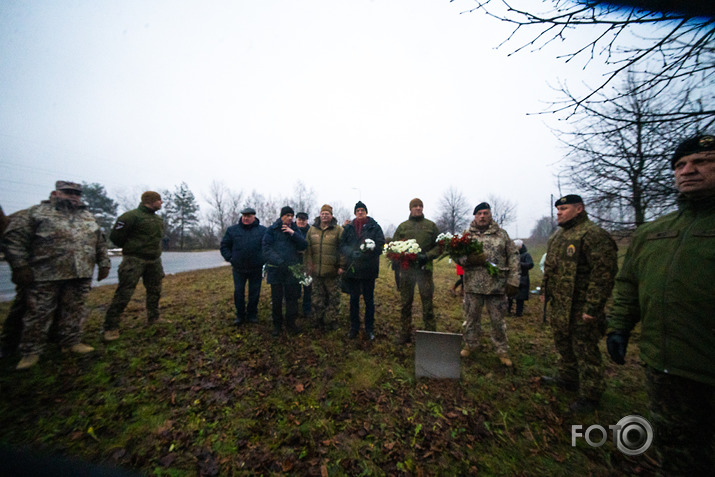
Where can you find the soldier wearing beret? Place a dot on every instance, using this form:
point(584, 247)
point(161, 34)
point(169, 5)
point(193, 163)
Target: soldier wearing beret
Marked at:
point(667, 283)
point(581, 264)
point(52, 250)
point(139, 233)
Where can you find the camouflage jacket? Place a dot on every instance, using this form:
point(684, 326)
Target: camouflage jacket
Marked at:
point(499, 250)
point(581, 264)
point(666, 282)
point(56, 241)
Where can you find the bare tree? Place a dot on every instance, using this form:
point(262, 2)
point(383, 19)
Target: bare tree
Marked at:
point(618, 158)
point(340, 212)
point(267, 208)
point(303, 199)
point(543, 229)
point(668, 49)
point(453, 215)
point(503, 210)
point(226, 207)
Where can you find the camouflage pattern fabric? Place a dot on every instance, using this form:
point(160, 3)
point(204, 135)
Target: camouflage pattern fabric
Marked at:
point(496, 306)
point(326, 300)
point(12, 326)
point(62, 299)
point(130, 271)
point(581, 361)
point(681, 412)
point(501, 251)
point(581, 264)
point(423, 279)
point(59, 242)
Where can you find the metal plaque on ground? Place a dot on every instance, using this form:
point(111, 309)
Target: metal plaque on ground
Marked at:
point(437, 354)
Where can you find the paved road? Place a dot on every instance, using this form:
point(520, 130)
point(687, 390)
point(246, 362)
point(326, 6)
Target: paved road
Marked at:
point(174, 262)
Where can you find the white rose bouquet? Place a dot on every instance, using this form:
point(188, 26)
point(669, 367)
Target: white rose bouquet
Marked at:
point(403, 252)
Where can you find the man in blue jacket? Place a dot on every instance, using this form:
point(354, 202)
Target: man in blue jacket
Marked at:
point(242, 246)
point(281, 246)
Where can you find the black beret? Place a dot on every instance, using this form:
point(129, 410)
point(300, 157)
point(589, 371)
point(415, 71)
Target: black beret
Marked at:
point(700, 143)
point(482, 206)
point(569, 199)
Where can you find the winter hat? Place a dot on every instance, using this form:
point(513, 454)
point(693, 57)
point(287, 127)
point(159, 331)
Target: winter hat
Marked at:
point(701, 143)
point(248, 211)
point(328, 208)
point(301, 215)
point(360, 205)
point(287, 210)
point(149, 197)
point(416, 202)
point(482, 206)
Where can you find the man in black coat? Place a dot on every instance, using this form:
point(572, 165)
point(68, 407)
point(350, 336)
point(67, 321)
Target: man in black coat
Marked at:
point(242, 246)
point(281, 246)
point(361, 245)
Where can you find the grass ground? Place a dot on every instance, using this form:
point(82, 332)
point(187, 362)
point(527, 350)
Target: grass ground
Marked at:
point(201, 397)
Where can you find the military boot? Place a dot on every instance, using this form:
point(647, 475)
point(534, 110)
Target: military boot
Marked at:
point(28, 361)
point(79, 348)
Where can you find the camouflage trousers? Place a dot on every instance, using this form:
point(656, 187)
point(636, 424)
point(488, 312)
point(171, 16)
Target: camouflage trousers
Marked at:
point(12, 327)
point(63, 300)
point(423, 279)
point(326, 299)
point(577, 344)
point(496, 308)
point(130, 271)
point(681, 412)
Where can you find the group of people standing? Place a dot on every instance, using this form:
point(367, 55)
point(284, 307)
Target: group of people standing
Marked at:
point(53, 248)
point(665, 283)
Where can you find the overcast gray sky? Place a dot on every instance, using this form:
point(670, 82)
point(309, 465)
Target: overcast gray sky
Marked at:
point(381, 100)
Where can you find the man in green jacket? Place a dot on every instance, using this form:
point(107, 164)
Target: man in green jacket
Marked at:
point(667, 282)
point(325, 265)
point(139, 233)
point(581, 264)
point(425, 232)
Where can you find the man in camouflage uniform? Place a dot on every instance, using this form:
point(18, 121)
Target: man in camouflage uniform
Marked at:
point(581, 263)
point(425, 232)
point(139, 233)
point(325, 265)
point(488, 289)
point(667, 283)
point(52, 250)
point(12, 327)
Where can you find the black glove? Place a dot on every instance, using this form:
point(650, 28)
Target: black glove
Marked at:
point(421, 259)
point(23, 276)
point(511, 290)
point(616, 343)
point(102, 273)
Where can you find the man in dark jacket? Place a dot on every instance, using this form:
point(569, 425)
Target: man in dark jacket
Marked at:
point(282, 243)
point(139, 233)
point(361, 245)
point(242, 247)
point(666, 283)
point(425, 232)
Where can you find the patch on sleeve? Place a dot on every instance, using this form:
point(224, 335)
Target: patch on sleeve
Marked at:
point(119, 225)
